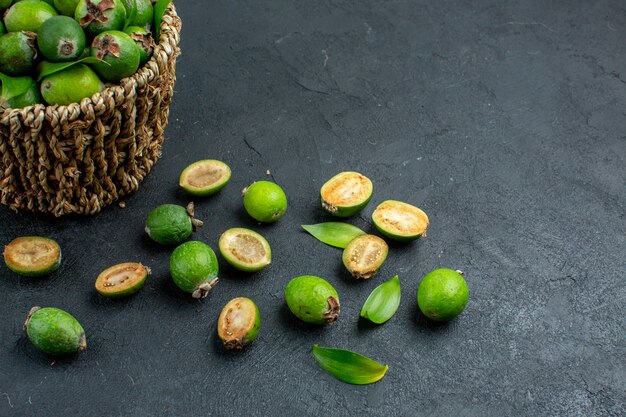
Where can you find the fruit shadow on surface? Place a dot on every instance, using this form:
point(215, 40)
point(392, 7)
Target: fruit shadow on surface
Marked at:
point(423, 322)
point(291, 323)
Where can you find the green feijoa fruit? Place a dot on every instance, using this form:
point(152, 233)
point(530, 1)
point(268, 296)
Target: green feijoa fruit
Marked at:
point(143, 41)
point(265, 201)
point(143, 15)
point(400, 221)
point(245, 249)
point(365, 255)
point(118, 54)
point(28, 15)
point(312, 299)
point(18, 52)
point(61, 39)
point(5, 4)
point(346, 193)
point(97, 16)
point(442, 295)
point(70, 85)
point(170, 224)
point(383, 302)
point(205, 177)
point(54, 331)
point(66, 7)
point(28, 96)
point(348, 366)
point(194, 268)
point(122, 280)
point(239, 323)
point(32, 256)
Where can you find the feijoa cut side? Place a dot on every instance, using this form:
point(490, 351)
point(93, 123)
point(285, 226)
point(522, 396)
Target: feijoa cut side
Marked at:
point(121, 280)
point(239, 323)
point(365, 255)
point(346, 193)
point(400, 221)
point(32, 256)
point(205, 177)
point(54, 331)
point(245, 249)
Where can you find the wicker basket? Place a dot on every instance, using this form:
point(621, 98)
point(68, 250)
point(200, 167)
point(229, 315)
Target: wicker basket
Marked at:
point(85, 156)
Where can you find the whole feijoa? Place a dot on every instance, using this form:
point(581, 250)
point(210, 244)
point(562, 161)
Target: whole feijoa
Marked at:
point(194, 268)
point(346, 193)
point(54, 331)
point(28, 15)
point(118, 54)
point(442, 295)
point(66, 7)
point(143, 41)
point(170, 224)
point(312, 299)
point(18, 53)
point(265, 201)
point(32, 256)
point(70, 85)
point(61, 39)
point(97, 16)
point(364, 255)
point(31, 97)
point(144, 14)
point(400, 221)
point(239, 323)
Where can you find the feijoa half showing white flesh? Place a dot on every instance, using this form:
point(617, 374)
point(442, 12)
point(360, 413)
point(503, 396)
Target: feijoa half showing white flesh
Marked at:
point(205, 177)
point(32, 256)
point(239, 323)
point(245, 249)
point(365, 255)
point(346, 193)
point(400, 221)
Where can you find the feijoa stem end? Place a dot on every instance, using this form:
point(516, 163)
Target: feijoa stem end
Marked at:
point(332, 314)
point(83, 343)
point(203, 289)
point(461, 273)
point(233, 344)
point(191, 210)
point(30, 314)
point(329, 207)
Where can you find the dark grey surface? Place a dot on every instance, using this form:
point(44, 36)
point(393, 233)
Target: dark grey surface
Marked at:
point(503, 120)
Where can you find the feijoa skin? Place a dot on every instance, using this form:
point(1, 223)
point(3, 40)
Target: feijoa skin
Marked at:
point(206, 177)
point(70, 85)
point(346, 193)
point(442, 295)
point(61, 39)
point(170, 224)
point(18, 53)
point(245, 249)
point(144, 42)
point(28, 15)
point(194, 268)
point(239, 323)
point(365, 255)
point(400, 221)
point(121, 280)
point(97, 16)
point(265, 201)
point(143, 16)
point(66, 7)
point(312, 299)
point(32, 256)
point(54, 331)
point(29, 98)
point(118, 54)
point(5, 4)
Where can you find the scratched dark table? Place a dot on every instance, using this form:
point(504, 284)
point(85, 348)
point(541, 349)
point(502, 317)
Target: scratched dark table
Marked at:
point(504, 120)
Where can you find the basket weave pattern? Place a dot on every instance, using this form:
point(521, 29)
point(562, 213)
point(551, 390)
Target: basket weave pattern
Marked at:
point(85, 156)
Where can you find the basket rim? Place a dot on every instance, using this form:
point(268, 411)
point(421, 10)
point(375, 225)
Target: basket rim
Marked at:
point(166, 31)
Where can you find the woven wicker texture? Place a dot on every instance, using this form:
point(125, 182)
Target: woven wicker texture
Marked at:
point(85, 156)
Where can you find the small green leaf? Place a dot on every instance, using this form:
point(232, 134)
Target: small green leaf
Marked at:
point(383, 302)
point(159, 11)
point(14, 86)
point(347, 366)
point(132, 15)
point(48, 68)
point(335, 234)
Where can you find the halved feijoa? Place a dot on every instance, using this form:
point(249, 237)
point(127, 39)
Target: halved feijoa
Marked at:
point(245, 249)
point(239, 323)
point(346, 193)
point(54, 331)
point(400, 221)
point(32, 256)
point(205, 177)
point(365, 255)
point(122, 280)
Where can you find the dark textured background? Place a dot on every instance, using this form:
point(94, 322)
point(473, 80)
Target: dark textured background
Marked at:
point(503, 120)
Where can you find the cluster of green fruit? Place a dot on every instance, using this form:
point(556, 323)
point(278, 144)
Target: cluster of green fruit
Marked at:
point(63, 50)
point(442, 293)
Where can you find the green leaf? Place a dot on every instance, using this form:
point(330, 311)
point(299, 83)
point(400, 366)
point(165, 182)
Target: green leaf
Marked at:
point(383, 302)
point(48, 68)
point(347, 366)
point(159, 11)
point(14, 86)
point(132, 15)
point(335, 234)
